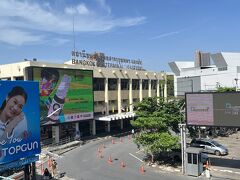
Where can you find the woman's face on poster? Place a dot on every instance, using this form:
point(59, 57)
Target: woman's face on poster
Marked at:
point(14, 106)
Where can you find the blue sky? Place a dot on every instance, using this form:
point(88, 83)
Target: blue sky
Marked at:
point(155, 31)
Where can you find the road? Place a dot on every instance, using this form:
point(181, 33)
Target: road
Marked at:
point(83, 163)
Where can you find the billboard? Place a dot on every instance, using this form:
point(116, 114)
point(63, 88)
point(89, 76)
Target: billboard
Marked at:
point(19, 120)
point(213, 109)
point(66, 95)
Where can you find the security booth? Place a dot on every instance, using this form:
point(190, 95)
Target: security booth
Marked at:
point(194, 162)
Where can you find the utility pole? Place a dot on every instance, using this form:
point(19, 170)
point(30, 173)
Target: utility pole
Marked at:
point(183, 146)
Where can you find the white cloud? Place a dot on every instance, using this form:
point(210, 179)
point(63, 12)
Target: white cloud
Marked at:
point(169, 34)
point(82, 9)
point(24, 17)
point(165, 35)
point(104, 6)
point(18, 37)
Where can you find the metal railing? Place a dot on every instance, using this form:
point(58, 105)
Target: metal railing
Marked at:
point(51, 143)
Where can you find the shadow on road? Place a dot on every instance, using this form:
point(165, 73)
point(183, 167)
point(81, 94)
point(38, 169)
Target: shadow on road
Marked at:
point(223, 162)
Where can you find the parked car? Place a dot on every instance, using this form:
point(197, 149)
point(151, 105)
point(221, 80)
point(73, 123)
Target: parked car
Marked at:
point(210, 146)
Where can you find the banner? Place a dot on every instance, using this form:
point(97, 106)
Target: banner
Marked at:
point(66, 95)
point(19, 120)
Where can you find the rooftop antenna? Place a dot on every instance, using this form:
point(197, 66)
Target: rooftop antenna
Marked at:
point(73, 36)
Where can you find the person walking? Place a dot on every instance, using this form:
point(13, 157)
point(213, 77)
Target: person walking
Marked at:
point(54, 168)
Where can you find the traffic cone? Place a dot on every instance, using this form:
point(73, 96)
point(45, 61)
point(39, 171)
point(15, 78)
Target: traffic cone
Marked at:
point(122, 164)
point(113, 141)
point(110, 159)
point(121, 140)
point(142, 170)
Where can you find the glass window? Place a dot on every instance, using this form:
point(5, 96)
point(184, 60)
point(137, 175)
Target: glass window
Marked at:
point(112, 84)
point(208, 144)
point(153, 84)
point(135, 84)
point(19, 78)
point(98, 84)
point(189, 158)
point(124, 84)
point(194, 158)
point(145, 84)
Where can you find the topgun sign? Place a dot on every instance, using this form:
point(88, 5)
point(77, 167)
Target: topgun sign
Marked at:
point(19, 120)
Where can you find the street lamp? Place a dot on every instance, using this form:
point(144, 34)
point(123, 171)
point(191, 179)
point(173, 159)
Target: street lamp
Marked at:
point(236, 79)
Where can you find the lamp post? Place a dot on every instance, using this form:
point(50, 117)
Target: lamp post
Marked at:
point(236, 86)
point(191, 85)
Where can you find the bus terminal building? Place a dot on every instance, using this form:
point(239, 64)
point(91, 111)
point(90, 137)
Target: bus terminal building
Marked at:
point(90, 94)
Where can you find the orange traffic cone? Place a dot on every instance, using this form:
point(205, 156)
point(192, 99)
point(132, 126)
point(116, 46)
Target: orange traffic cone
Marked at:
point(122, 164)
point(110, 159)
point(142, 170)
point(113, 141)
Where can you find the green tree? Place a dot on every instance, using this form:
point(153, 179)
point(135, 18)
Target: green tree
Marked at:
point(156, 121)
point(226, 89)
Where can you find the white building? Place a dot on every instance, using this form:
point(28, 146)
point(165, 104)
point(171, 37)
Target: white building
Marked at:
point(115, 90)
point(206, 73)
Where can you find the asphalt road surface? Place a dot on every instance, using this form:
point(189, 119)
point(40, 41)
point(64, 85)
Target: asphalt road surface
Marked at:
point(86, 163)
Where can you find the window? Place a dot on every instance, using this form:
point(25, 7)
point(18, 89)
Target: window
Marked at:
point(124, 84)
point(98, 84)
point(153, 84)
point(208, 144)
point(194, 158)
point(135, 84)
point(189, 158)
point(112, 84)
point(145, 84)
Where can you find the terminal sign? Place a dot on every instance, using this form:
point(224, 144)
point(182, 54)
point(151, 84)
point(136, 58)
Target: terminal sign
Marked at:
point(100, 60)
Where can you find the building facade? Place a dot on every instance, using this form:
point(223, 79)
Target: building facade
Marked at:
point(114, 92)
point(206, 73)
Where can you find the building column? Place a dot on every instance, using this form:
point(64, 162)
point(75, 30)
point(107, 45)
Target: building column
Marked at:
point(77, 127)
point(162, 90)
point(165, 86)
point(108, 126)
point(149, 88)
point(175, 86)
point(93, 127)
point(130, 96)
point(140, 90)
point(106, 97)
point(158, 91)
point(55, 133)
point(119, 96)
point(121, 124)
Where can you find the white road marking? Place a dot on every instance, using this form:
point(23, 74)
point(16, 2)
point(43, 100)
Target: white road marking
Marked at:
point(136, 157)
point(139, 151)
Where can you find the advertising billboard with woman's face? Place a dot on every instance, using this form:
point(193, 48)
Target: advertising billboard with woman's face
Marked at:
point(19, 120)
point(66, 95)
